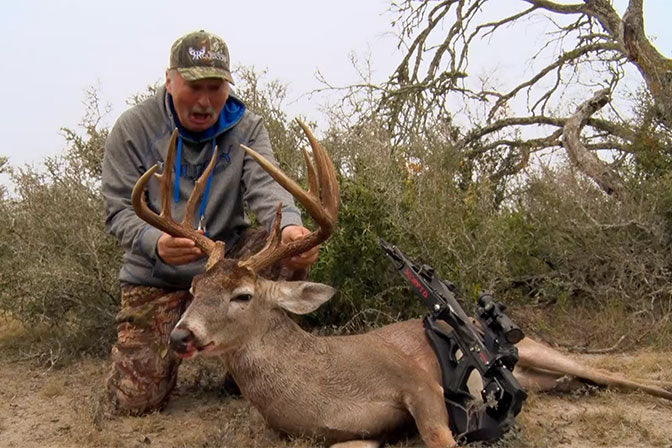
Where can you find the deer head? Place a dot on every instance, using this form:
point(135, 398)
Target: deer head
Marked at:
point(230, 300)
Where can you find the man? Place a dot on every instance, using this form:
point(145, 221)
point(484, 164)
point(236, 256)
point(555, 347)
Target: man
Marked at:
point(157, 268)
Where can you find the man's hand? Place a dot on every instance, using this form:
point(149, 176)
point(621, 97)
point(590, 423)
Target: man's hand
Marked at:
point(177, 251)
point(304, 260)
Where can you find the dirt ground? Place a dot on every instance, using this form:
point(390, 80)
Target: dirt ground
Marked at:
point(43, 407)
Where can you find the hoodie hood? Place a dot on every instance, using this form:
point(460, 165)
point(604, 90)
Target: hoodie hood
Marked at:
point(231, 114)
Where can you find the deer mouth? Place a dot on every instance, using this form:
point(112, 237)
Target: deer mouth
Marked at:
point(191, 349)
point(207, 347)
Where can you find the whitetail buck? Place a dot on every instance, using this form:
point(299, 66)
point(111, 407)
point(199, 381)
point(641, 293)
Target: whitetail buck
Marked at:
point(349, 391)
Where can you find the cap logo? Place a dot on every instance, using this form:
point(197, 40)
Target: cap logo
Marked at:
point(198, 54)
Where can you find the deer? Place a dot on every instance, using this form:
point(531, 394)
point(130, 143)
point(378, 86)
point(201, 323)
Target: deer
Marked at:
point(352, 391)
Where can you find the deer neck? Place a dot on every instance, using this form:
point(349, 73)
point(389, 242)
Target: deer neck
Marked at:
point(266, 364)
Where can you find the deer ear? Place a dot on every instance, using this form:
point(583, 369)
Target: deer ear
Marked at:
point(303, 297)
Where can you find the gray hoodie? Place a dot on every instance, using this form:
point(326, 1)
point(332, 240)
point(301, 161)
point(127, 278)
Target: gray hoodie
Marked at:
point(140, 138)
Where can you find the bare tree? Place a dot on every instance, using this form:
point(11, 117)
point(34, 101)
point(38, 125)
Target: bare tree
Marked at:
point(589, 44)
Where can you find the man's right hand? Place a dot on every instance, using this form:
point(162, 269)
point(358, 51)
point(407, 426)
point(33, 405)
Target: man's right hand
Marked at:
point(177, 251)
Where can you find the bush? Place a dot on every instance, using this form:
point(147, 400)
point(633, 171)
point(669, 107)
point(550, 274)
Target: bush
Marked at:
point(554, 238)
point(550, 238)
point(574, 244)
point(353, 262)
point(59, 268)
point(415, 200)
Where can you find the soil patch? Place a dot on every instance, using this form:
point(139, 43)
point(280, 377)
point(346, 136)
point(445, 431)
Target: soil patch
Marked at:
point(65, 407)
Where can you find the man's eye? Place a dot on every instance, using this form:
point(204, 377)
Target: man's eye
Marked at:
point(243, 297)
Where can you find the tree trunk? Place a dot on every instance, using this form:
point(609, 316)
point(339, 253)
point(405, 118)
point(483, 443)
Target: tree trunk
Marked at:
point(584, 160)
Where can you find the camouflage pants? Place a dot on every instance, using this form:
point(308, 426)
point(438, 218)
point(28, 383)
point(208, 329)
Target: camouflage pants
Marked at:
point(144, 368)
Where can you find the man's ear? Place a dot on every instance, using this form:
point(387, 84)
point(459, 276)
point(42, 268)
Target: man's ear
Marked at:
point(302, 297)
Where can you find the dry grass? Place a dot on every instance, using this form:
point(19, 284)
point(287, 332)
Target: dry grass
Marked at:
point(13, 335)
point(53, 387)
point(41, 406)
point(581, 328)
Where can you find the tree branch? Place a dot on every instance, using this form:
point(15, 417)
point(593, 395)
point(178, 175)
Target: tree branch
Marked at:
point(557, 7)
point(584, 160)
point(610, 128)
point(655, 68)
point(558, 63)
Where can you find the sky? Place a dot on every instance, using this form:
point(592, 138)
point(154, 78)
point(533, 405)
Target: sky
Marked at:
point(53, 50)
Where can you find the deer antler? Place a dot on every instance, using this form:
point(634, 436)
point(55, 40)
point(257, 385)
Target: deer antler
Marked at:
point(323, 211)
point(164, 221)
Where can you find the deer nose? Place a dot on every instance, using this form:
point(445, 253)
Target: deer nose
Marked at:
point(180, 338)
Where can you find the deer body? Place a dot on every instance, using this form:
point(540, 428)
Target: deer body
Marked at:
point(336, 388)
point(343, 388)
point(325, 387)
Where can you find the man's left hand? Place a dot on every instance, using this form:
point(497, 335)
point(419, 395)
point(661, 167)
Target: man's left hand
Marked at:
point(300, 261)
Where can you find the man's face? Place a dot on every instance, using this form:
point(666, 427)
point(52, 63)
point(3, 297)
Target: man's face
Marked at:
point(197, 103)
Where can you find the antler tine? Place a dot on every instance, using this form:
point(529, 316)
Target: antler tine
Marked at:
point(199, 186)
point(274, 238)
point(313, 186)
point(166, 176)
point(326, 173)
point(164, 222)
point(321, 202)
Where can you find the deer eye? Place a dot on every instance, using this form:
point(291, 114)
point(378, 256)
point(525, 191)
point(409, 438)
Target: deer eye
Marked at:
point(243, 297)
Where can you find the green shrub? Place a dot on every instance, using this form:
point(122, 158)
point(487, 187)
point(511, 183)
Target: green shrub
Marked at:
point(352, 260)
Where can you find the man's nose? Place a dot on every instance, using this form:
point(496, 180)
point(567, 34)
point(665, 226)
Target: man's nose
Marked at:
point(203, 100)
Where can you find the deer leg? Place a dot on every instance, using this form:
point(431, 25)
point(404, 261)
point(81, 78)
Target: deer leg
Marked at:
point(357, 444)
point(544, 381)
point(426, 405)
point(537, 356)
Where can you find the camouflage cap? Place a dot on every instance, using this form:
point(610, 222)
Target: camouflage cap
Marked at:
point(199, 55)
